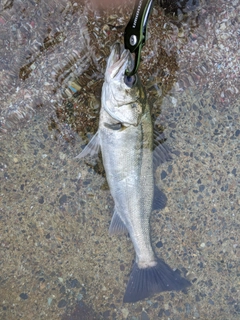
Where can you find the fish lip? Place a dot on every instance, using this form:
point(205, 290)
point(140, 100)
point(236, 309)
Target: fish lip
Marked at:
point(118, 61)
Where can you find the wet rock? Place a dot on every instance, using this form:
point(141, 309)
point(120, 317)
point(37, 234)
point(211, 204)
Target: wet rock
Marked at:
point(62, 290)
point(122, 267)
point(187, 308)
point(106, 314)
point(163, 174)
point(63, 199)
point(161, 313)
point(41, 200)
point(237, 308)
point(167, 312)
point(23, 296)
point(159, 244)
point(179, 7)
point(62, 303)
point(72, 283)
point(197, 298)
point(144, 316)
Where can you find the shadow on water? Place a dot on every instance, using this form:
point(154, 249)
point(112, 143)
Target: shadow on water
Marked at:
point(55, 215)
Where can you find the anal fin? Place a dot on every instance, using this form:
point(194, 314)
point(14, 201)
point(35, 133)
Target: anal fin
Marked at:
point(117, 227)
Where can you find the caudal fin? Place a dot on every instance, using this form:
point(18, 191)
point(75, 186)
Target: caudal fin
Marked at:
point(147, 281)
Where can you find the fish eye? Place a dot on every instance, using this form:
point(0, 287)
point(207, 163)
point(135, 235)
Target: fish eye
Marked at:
point(130, 80)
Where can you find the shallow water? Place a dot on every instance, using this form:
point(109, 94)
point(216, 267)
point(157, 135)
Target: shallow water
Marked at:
point(57, 259)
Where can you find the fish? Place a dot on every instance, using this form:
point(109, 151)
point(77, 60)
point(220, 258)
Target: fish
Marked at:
point(125, 138)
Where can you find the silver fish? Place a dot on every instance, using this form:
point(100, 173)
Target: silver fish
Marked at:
point(125, 137)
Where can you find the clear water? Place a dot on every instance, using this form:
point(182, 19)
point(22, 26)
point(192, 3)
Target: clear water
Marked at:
point(57, 259)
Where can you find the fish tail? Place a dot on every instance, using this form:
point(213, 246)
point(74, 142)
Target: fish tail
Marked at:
point(144, 282)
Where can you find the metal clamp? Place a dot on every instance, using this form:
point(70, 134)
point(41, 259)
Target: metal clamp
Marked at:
point(135, 31)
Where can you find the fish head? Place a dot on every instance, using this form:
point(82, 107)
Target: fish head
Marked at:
point(123, 97)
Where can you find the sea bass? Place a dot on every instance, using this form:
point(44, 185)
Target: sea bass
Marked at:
point(125, 138)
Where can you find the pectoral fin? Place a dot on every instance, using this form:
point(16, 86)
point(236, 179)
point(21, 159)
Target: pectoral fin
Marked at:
point(91, 149)
point(117, 226)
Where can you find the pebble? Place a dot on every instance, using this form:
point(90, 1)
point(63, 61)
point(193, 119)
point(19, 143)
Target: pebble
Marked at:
point(41, 200)
point(106, 314)
point(62, 155)
point(49, 301)
point(163, 174)
point(174, 101)
point(197, 298)
point(62, 303)
point(161, 312)
point(63, 199)
point(122, 267)
point(62, 290)
point(196, 314)
point(223, 26)
point(159, 244)
point(125, 313)
point(187, 308)
point(23, 296)
point(144, 316)
point(79, 297)
point(167, 312)
point(72, 283)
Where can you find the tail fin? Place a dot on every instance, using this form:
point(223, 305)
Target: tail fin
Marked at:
point(147, 281)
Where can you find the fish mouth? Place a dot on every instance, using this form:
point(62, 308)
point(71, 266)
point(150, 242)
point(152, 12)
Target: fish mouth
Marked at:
point(119, 60)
